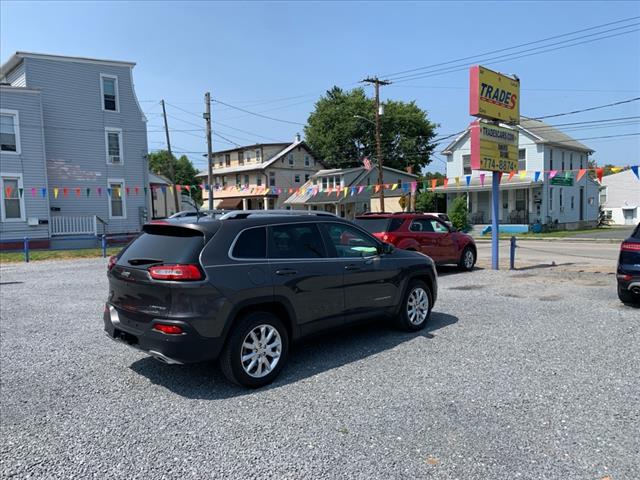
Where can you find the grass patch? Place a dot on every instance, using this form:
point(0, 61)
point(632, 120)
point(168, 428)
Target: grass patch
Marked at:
point(542, 235)
point(36, 255)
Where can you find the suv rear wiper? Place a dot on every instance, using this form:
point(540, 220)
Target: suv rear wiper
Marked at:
point(143, 261)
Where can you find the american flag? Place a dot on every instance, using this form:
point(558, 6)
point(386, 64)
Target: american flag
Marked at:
point(367, 163)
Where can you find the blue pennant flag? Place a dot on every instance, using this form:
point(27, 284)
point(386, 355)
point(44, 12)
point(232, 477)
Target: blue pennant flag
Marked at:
point(536, 176)
point(634, 169)
point(109, 191)
point(468, 179)
point(43, 192)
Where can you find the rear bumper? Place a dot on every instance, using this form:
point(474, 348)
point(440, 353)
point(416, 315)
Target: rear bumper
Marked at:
point(188, 347)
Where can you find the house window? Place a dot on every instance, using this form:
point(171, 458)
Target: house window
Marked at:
point(113, 137)
point(307, 161)
point(297, 179)
point(603, 195)
point(258, 155)
point(582, 161)
point(259, 180)
point(227, 159)
point(240, 157)
point(246, 179)
point(247, 156)
point(571, 161)
point(224, 180)
point(291, 159)
point(550, 159)
point(12, 201)
point(272, 179)
point(522, 159)
point(220, 161)
point(237, 180)
point(109, 86)
point(325, 183)
point(561, 203)
point(572, 202)
point(551, 199)
point(399, 183)
point(117, 206)
point(562, 162)
point(9, 131)
point(306, 177)
point(466, 164)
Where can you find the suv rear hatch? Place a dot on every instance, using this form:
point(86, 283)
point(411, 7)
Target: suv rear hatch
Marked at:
point(379, 226)
point(138, 285)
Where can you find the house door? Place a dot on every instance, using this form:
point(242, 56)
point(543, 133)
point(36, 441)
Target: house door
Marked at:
point(581, 203)
point(629, 216)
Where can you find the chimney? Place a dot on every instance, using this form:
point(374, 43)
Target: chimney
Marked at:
point(297, 138)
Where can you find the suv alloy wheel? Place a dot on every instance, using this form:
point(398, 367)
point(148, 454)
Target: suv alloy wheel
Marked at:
point(416, 307)
point(256, 350)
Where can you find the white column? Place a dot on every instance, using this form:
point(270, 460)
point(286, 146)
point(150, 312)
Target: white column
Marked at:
point(338, 209)
point(266, 203)
point(244, 204)
point(309, 207)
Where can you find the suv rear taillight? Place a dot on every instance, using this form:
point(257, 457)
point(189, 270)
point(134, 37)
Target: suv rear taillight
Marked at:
point(388, 238)
point(175, 272)
point(112, 262)
point(630, 247)
point(168, 329)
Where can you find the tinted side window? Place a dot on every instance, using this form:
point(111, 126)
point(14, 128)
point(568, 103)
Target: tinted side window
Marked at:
point(251, 243)
point(349, 242)
point(439, 227)
point(297, 240)
point(636, 233)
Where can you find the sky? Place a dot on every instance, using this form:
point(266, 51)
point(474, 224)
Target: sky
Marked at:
point(278, 58)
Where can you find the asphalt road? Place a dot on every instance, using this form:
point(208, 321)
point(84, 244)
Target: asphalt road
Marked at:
point(558, 254)
point(530, 375)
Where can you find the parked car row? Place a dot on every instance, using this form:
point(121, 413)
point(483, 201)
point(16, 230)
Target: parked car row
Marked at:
point(243, 286)
point(628, 271)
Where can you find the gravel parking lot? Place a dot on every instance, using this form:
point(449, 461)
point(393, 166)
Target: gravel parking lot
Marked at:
point(531, 374)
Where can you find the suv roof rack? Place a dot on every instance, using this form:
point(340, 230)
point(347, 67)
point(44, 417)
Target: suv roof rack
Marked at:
point(240, 214)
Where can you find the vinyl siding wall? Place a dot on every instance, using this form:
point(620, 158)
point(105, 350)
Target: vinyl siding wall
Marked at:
point(74, 130)
point(17, 76)
point(30, 163)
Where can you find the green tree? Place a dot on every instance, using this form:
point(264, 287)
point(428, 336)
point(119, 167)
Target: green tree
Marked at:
point(458, 213)
point(342, 132)
point(185, 173)
point(427, 202)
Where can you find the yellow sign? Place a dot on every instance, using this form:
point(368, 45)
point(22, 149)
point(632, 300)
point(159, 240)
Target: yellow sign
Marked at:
point(493, 148)
point(494, 96)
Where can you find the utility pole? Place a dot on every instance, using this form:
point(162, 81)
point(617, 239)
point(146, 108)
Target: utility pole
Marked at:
point(172, 170)
point(207, 118)
point(377, 82)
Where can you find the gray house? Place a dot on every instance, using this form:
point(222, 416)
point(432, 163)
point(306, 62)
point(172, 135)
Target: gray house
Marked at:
point(74, 145)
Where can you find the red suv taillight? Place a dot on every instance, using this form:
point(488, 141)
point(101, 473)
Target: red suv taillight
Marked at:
point(112, 262)
point(388, 237)
point(168, 329)
point(630, 247)
point(175, 272)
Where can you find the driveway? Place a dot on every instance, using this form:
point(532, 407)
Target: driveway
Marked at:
point(530, 375)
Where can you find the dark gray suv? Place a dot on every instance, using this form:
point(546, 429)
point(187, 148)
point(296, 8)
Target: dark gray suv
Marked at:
point(243, 287)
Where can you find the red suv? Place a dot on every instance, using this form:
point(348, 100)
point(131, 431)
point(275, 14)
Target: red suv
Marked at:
point(424, 233)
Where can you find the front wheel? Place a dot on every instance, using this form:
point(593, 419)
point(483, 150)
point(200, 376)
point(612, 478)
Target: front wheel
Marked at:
point(256, 350)
point(467, 259)
point(416, 307)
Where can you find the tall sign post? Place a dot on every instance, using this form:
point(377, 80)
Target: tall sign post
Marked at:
point(495, 99)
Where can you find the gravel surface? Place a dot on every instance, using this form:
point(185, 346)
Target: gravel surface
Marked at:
point(531, 375)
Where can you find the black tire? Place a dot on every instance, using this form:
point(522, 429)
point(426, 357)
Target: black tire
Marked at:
point(230, 358)
point(467, 259)
point(403, 320)
point(628, 297)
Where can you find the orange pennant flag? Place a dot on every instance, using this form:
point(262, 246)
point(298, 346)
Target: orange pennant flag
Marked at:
point(599, 174)
point(446, 182)
point(511, 174)
point(581, 173)
point(377, 188)
point(434, 182)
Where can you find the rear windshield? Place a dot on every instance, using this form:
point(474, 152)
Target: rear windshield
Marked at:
point(163, 245)
point(379, 225)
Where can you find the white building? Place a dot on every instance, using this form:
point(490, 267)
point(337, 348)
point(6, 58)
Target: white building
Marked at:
point(563, 200)
point(620, 198)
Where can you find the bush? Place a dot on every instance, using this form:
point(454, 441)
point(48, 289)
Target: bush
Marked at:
point(426, 202)
point(458, 213)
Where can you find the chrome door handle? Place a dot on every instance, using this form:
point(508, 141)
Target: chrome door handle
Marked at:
point(286, 272)
point(352, 267)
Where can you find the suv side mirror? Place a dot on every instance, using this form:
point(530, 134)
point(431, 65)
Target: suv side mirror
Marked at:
point(386, 249)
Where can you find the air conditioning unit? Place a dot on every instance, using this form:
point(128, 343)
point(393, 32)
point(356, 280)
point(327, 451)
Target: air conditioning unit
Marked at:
point(115, 159)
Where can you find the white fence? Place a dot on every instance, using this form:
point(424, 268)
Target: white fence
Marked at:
point(87, 225)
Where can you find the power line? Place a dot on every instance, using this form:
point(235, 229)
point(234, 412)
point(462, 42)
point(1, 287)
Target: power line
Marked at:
point(621, 102)
point(257, 114)
point(391, 75)
point(507, 57)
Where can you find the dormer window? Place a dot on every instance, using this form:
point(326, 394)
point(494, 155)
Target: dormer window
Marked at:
point(109, 88)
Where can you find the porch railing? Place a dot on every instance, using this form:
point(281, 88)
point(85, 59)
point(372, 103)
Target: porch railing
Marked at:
point(85, 225)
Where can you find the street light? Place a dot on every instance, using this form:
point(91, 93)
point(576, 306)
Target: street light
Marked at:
point(365, 119)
